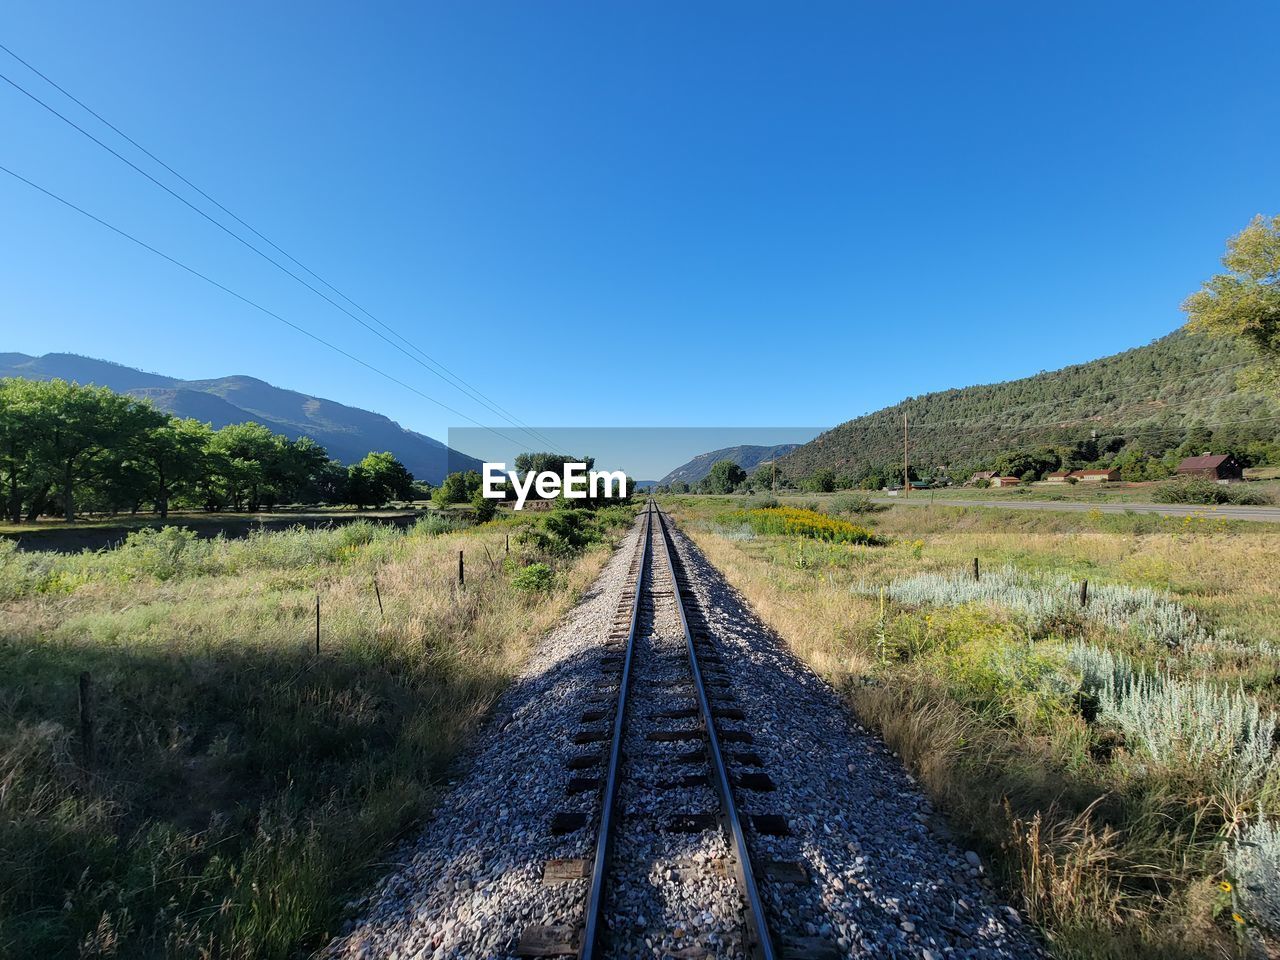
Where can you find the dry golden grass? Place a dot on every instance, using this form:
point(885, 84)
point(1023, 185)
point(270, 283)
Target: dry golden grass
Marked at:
point(1109, 859)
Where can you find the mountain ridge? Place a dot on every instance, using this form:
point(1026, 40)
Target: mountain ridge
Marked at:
point(346, 432)
point(747, 456)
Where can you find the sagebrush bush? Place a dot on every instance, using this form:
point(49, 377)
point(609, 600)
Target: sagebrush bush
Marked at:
point(733, 531)
point(1045, 600)
point(1099, 667)
point(1194, 722)
point(1253, 861)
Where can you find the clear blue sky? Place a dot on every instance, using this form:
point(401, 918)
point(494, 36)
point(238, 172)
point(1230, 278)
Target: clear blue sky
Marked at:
point(799, 212)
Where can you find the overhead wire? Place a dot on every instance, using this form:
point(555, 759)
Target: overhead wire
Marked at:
point(251, 302)
point(419, 356)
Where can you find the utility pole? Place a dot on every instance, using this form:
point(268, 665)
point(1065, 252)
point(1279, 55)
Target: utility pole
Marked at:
point(906, 473)
point(775, 474)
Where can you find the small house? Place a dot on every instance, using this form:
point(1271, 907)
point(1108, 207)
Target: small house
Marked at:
point(1005, 481)
point(1223, 468)
point(1058, 476)
point(1097, 476)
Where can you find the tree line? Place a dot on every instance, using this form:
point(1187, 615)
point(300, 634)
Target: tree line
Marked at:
point(1147, 455)
point(72, 449)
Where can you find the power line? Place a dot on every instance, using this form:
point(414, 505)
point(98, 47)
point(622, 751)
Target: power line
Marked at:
point(253, 303)
point(442, 373)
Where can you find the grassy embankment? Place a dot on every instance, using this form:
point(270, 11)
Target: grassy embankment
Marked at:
point(243, 788)
point(1105, 757)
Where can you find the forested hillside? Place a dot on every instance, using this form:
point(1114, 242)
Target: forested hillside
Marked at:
point(1128, 410)
point(346, 433)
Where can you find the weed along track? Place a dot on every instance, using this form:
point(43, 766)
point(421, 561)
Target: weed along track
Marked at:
point(667, 780)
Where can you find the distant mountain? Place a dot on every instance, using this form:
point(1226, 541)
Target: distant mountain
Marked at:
point(1146, 398)
point(348, 433)
point(747, 457)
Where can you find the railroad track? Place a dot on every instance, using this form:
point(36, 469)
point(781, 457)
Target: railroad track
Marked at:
point(660, 742)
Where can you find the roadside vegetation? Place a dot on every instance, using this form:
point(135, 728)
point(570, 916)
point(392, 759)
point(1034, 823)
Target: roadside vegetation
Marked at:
point(1115, 759)
point(239, 786)
point(1199, 490)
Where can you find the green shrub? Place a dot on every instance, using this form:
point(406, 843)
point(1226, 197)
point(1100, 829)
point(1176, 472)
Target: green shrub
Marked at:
point(562, 532)
point(855, 503)
point(535, 578)
point(19, 573)
point(485, 507)
point(162, 554)
point(761, 501)
point(434, 524)
point(1205, 491)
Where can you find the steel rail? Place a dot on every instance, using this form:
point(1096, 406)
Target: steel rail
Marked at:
point(593, 919)
point(743, 872)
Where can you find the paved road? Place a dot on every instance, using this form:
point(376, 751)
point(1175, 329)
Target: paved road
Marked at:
point(1264, 514)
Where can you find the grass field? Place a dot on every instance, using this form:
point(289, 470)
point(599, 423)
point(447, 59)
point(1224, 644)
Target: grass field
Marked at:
point(96, 532)
point(1113, 759)
point(242, 787)
point(1119, 492)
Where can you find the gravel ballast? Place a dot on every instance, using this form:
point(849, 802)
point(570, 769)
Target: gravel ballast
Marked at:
point(880, 881)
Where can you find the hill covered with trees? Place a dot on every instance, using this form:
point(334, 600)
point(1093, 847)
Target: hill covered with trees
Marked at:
point(1136, 410)
point(346, 433)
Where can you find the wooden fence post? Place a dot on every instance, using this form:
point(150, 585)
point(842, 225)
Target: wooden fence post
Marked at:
point(378, 593)
point(317, 624)
point(975, 568)
point(1084, 593)
point(87, 745)
point(462, 574)
point(508, 549)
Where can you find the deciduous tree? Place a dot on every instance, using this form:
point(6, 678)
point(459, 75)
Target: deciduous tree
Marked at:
point(1244, 303)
